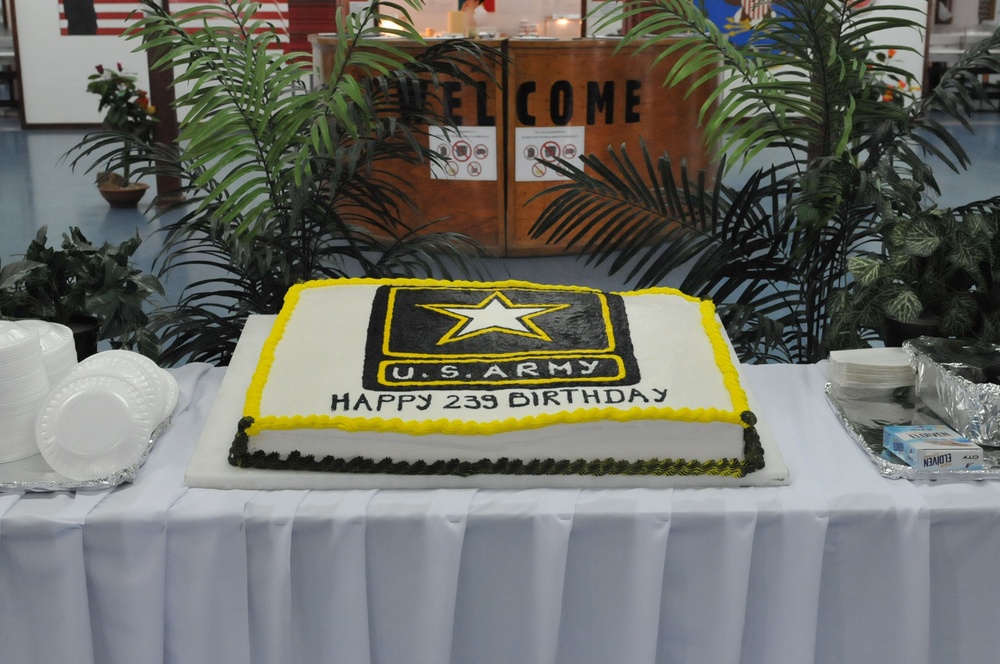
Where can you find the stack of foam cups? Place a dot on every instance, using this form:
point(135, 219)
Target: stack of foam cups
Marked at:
point(22, 391)
point(58, 348)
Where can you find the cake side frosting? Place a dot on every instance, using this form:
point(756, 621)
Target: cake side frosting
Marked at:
point(705, 418)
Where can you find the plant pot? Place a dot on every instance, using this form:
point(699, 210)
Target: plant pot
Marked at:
point(127, 196)
point(895, 332)
point(85, 334)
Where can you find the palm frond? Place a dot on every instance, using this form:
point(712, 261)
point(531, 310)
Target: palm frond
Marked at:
point(814, 83)
point(284, 182)
point(636, 215)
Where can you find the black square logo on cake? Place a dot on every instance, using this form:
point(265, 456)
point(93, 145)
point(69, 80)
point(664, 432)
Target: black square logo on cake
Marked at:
point(496, 337)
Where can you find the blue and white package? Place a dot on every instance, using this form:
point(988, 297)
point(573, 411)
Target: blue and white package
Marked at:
point(933, 447)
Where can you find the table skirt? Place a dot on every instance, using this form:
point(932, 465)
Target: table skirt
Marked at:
point(840, 566)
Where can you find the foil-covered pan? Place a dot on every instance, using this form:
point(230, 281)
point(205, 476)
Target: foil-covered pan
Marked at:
point(865, 415)
point(34, 475)
point(953, 379)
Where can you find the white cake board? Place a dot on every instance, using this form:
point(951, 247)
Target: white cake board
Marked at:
point(209, 467)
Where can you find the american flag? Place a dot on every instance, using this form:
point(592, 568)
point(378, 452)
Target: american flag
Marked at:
point(110, 17)
point(92, 17)
point(274, 13)
point(756, 10)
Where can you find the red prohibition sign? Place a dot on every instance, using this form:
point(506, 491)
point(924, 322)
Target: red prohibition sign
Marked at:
point(550, 151)
point(462, 151)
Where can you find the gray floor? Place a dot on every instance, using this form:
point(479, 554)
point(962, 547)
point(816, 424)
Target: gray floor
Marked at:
point(38, 188)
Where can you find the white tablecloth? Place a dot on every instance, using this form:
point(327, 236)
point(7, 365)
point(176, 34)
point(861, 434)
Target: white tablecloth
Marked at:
point(841, 566)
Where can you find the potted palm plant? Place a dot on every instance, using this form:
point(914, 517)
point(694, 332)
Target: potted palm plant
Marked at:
point(95, 290)
point(128, 126)
point(844, 136)
point(284, 181)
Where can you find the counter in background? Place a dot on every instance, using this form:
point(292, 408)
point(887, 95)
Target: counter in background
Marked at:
point(559, 98)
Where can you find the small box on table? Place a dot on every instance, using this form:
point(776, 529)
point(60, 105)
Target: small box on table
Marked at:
point(933, 446)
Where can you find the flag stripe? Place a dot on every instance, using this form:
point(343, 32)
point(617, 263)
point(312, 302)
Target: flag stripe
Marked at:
point(756, 10)
point(275, 13)
point(307, 17)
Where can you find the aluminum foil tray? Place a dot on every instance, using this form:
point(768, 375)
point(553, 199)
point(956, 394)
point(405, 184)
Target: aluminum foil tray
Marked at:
point(33, 474)
point(953, 379)
point(865, 414)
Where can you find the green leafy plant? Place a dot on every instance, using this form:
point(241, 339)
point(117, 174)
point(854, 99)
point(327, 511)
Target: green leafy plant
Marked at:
point(285, 181)
point(83, 279)
point(940, 265)
point(128, 120)
point(847, 141)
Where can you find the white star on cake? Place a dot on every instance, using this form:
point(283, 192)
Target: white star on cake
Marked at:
point(496, 313)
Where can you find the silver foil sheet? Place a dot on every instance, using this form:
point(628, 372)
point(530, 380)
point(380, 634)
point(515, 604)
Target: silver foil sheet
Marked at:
point(952, 379)
point(33, 474)
point(865, 415)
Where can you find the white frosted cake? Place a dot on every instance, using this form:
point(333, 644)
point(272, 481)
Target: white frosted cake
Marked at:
point(465, 378)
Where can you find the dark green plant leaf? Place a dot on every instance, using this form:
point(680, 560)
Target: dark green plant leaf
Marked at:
point(904, 306)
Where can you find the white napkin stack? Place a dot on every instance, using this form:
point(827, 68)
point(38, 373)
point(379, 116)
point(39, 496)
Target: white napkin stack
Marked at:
point(871, 367)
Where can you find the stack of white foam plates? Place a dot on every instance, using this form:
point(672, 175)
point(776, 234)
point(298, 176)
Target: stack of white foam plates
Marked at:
point(857, 371)
point(101, 418)
point(158, 385)
point(58, 349)
point(22, 390)
point(94, 425)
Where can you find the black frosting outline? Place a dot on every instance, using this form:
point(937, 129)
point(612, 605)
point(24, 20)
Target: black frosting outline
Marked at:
point(619, 325)
point(753, 452)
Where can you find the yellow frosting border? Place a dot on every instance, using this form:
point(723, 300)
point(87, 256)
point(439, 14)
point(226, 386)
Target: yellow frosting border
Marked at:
point(710, 324)
point(383, 366)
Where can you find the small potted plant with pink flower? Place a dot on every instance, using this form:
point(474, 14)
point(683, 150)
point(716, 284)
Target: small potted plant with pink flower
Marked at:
point(126, 135)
